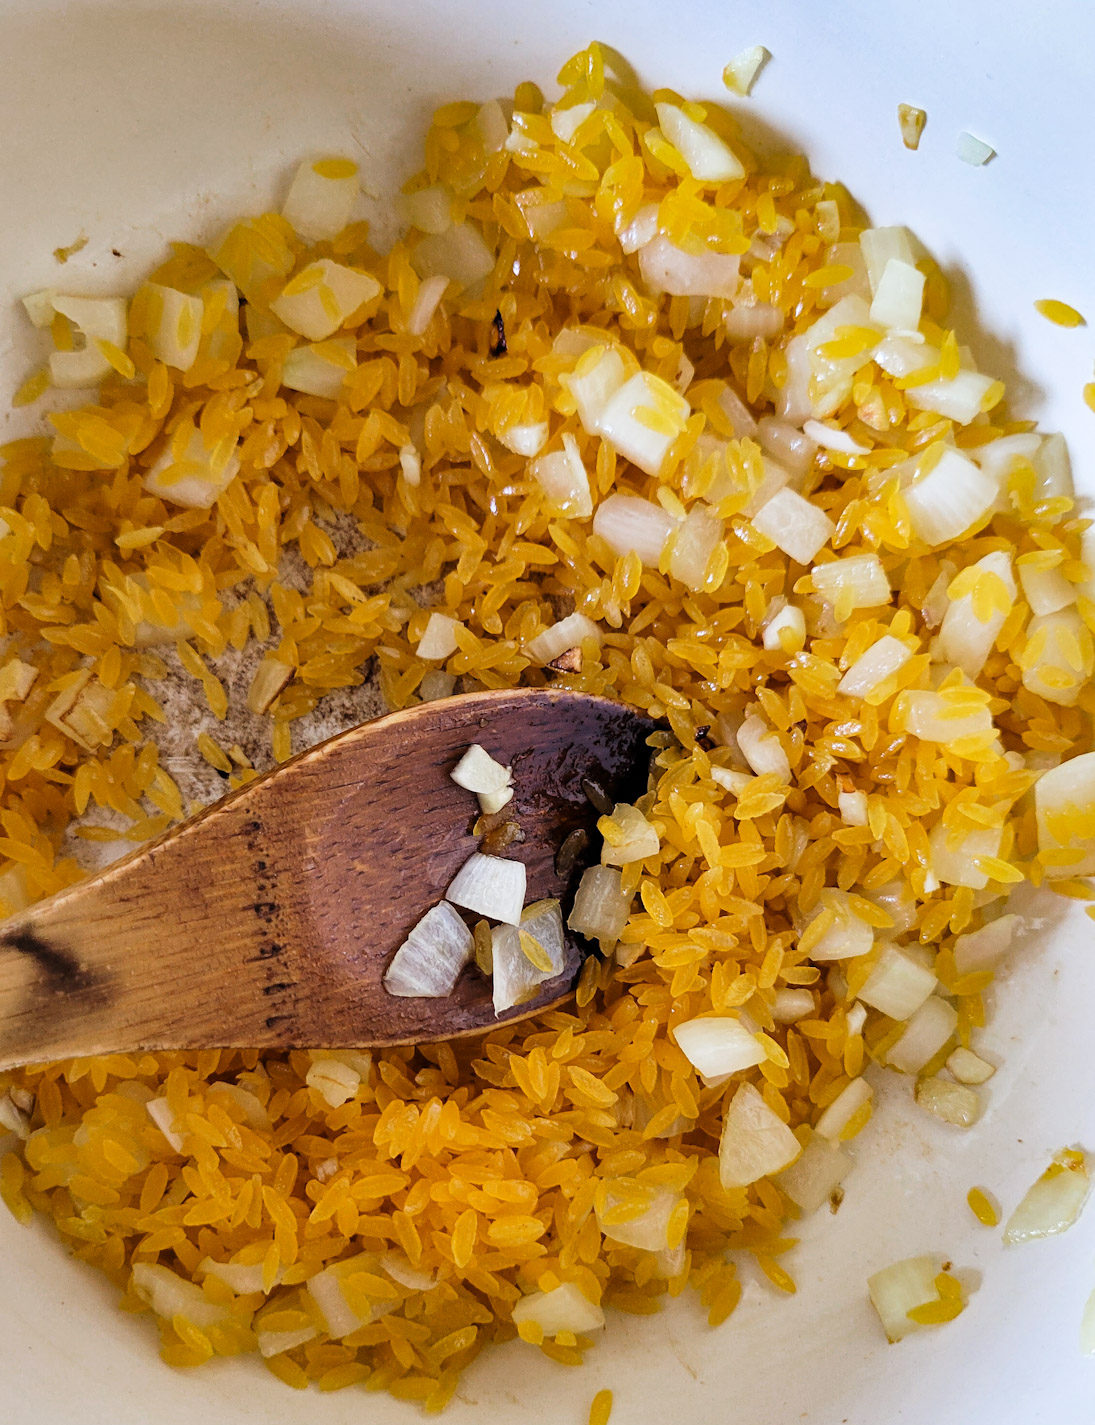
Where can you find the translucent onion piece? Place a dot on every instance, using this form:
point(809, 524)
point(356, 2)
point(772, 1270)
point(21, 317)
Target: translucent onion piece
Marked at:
point(911, 121)
point(321, 197)
point(794, 449)
point(238, 1277)
point(1064, 803)
point(1055, 1201)
point(718, 1045)
point(973, 151)
point(901, 353)
point(275, 1343)
point(460, 253)
point(884, 658)
point(1058, 660)
point(744, 322)
point(527, 439)
point(708, 159)
point(952, 497)
point(1000, 457)
point(628, 836)
point(564, 1308)
point(785, 630)
point(1053, 467)
point(429, 961)
point(925, 1035)
point(13, 1118)
point(665, 267)
point(477, 771)
point(789, 1005)
point(847, 934)
point(641, 229)
point(322, 297)
point(953, 1103)
point(762, 748)
point(755, 1142)
point(642, 419)
point(629, 524)
point(320, 368)
point(847, 1104)
point(439, 637)
point(562, 476)
point(1045, 590)
point(852, 807)
point(198, 478)
point(567, 120)
point(95, 319)
point(956, 855)
point(692, 543)
point(831, 375)
point(594, 381)
point(337, 1083)
point(940, 717)
point(794, 525)
point(400, 1270)
point(426, 303)
point(881, 246)
point(898, 296)
point(969, 1068)
point(832, 438)
point(810, 1181)
point(649, 1230)
point(959, 400)
point(857, 581)
point(163, 1116)
point(741, 72)
point(172, 324)
point(569, 632)
point(429, 209)
point(490, 886)
point(515, 978)
point(965, 638)
point(325, 1289)
point(901, 1288)
point(601, 906)
point(493, 126)
point(897, 986)
point(436, 683)
point(169, 1295)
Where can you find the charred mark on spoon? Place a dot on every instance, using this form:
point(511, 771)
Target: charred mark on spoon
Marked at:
point(60, 967)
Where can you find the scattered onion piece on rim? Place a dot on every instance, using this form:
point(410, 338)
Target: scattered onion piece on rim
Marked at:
point(1054, 1202)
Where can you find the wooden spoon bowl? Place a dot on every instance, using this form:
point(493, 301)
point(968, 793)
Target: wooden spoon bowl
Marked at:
point(268, 920)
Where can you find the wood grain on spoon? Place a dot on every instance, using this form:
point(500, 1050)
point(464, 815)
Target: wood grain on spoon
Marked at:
point(268, 920)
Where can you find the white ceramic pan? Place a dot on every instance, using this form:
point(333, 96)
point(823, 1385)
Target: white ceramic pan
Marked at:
point(134, 121)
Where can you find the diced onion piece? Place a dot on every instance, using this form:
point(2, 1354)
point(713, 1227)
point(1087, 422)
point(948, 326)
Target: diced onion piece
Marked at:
point(493, 124)
point(628, 836)
point(829, 377)
point(832, 438)
point(1045, 590)
point(852, 807)
point(1053, 467)
point(708, 158)
point(491, 802)
point(439, 637)
point(39, 307)
point(902, 353)
point(601, 906)
point(96, 319)
point(956, 855)
point(729, 780)
point(477, 771)
point(460, 253)
point(785, 630)
point(199, 477)
point(969, 1068)
point(898, 296)
point(846, 1106)
point(564, 1308)
point(569, 632)
point(953, 1103)
point(426, 303)
point(954, 495)
point(737, 413)
point(410, 464)
point(640, 229)
point(562, 476)
point(959, 400)
point(881, 246)
point(323, 297)
point(163, 1116)
point(935, 717)
point(321, 197)
point(490, 886)
point(239, 1277)
point(762, 749)
point(336, 1082)
point(275, 1343)
point(811, 1180)
point(911, 121)
point(13, 1118)
point(692, 543)
point(429, 209)
point(525, 439)
point(1053, 1204)
point(665, 267)
point(855, 582)
point(566, 120)
point(642, 419)
point(789, 1005)
point(515, 978)
point(925, 1035)
point(901, 1288)
point(755, 1142)
point(1064, 805)
point(966, 637)
point(886, 656)
point(599, 373)
point(847, 934)
point(649, 1230)
point(1058, 659)
point(172, 324)
point(436, 683)
point(326, 1290)
point(429, 961)
point(739, 74)
point(794, 449)
point(629, 524)
point(400, 1270)
point(16, 680)
point(170, 1295)
point(1000, 457)
point(746, 321)
point(718, 1045)
point(271, 676)
point(897, 985)
point(320, 368)
point(973, 151)
point(794, 525)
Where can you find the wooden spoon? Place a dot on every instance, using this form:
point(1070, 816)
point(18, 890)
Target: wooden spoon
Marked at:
point(267, 921)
